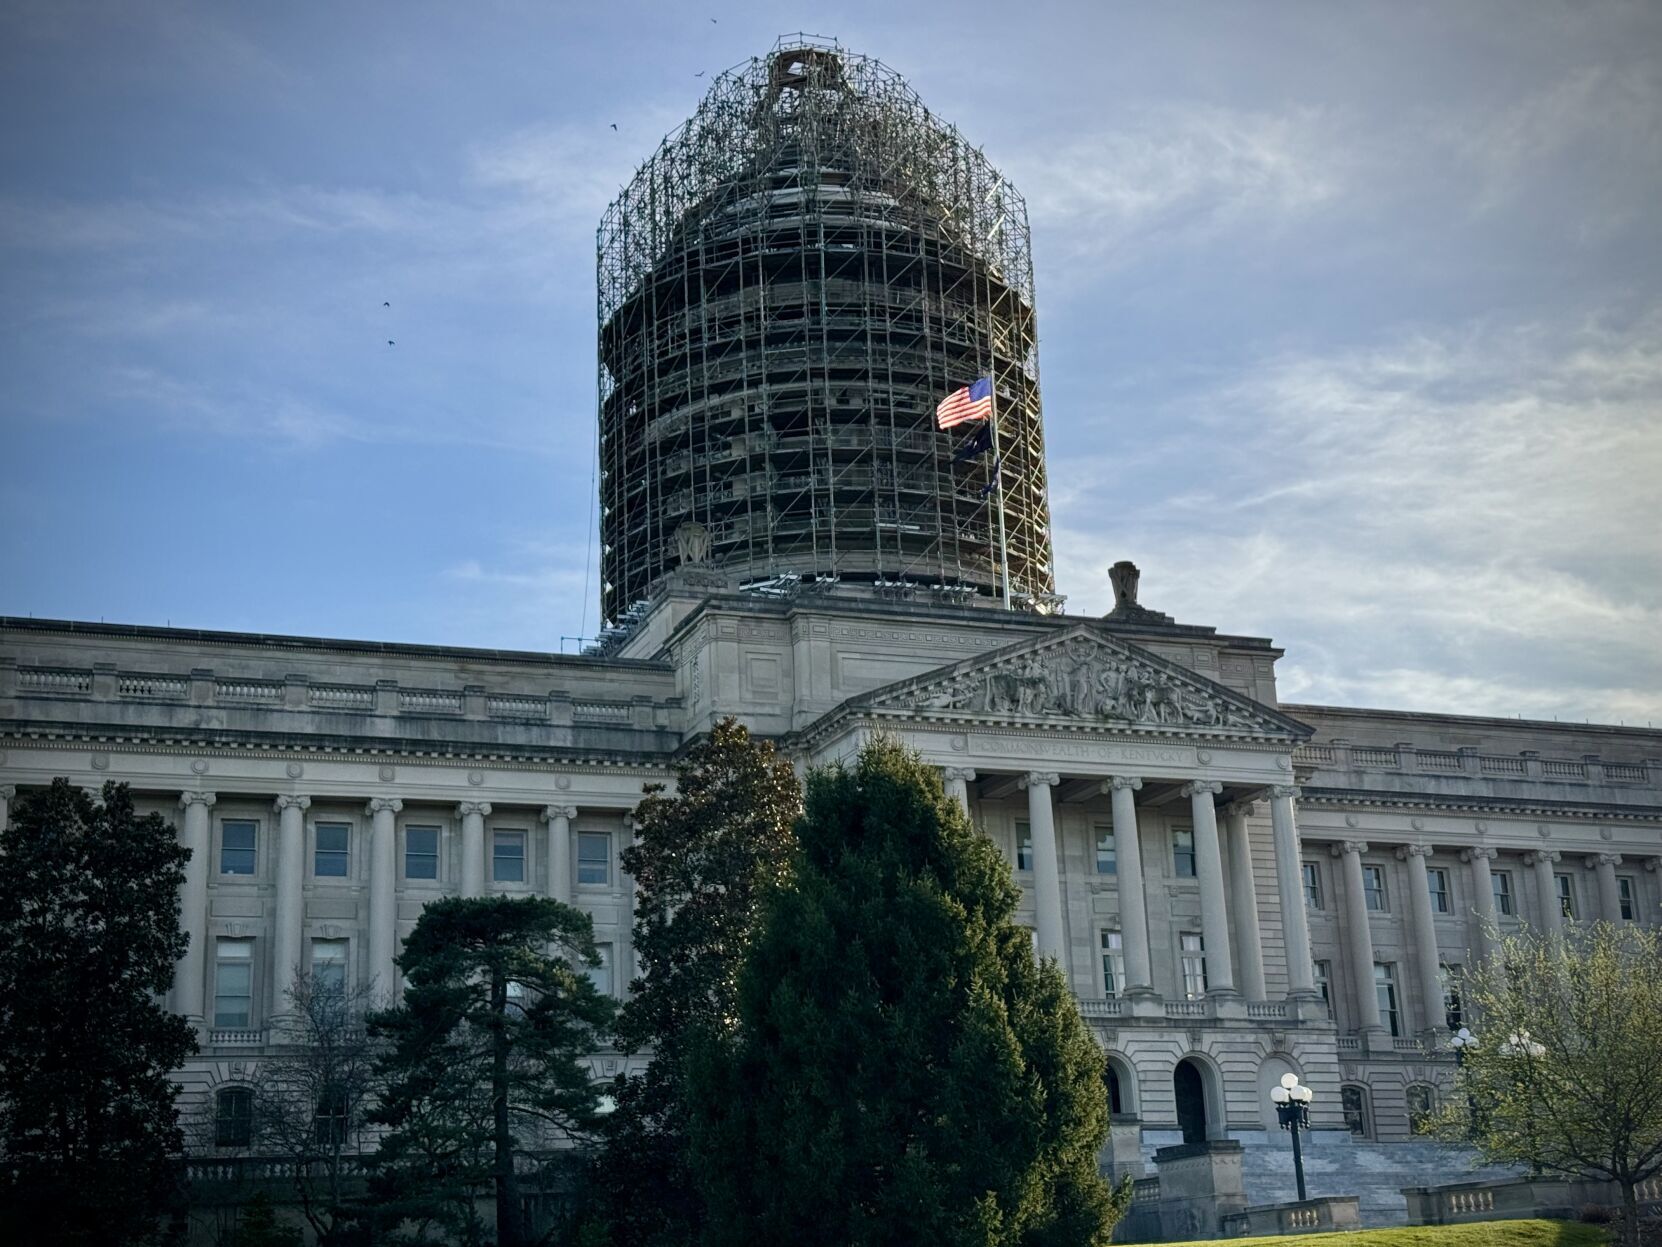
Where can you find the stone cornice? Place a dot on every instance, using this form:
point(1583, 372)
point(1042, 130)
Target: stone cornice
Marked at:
point(313, 749)
point(1338, 798)
point(196, 639)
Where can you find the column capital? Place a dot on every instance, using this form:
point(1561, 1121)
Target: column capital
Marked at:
point(292, 803)
point(551, 812)
point(1654, 865)
point(206, 799)
point(1542, 855)
point(1350, 846)
point(1404, 852)
point(1040, 779)
point(965, 773)
point(1473, 854)
point(7, 791)
point(1197, 787)
point(1119, 783)
point(380, 805)
point(1240, 809)
point(1287, 792)
point(1595, 860)
point(481, 808)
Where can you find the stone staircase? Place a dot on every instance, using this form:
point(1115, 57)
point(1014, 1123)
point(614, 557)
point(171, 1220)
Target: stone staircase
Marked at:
point(1338, 1163)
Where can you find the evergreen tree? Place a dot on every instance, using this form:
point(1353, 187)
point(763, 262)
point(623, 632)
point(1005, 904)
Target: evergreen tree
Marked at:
point(484, 1060)
point(89, 935)
point(904, 1071)
point(702, 861)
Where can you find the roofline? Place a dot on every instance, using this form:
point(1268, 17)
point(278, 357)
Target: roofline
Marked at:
point(203, 636)
point(1476, 720)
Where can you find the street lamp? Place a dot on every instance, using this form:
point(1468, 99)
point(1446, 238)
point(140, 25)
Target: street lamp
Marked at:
point(1292, 1106)
point(1463, 1039)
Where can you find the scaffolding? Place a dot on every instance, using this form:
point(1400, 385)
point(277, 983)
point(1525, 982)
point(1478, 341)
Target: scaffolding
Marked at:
point(787, 288)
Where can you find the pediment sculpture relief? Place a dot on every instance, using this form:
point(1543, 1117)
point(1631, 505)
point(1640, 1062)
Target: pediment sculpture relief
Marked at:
point(1083, 680)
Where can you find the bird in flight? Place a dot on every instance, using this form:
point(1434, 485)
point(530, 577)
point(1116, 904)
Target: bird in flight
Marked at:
point(699, 74)
point(614, 125)
point(386, 305)
point(389, 342)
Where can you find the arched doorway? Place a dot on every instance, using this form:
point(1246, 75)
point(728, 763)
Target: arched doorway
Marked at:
point(1189, 1085)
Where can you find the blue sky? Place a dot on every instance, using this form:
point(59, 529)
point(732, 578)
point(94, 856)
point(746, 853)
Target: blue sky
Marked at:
point(1351, 315)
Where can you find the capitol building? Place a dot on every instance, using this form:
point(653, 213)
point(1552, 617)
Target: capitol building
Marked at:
point(1236, 887)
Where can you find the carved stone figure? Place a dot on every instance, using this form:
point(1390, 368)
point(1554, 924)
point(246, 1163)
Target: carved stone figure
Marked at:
point(692, 543)
point(1082, 681)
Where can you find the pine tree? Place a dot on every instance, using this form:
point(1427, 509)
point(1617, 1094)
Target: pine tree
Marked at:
point(702, 862)
point(89, 935)
point(903, 1070)
point(485, 1059)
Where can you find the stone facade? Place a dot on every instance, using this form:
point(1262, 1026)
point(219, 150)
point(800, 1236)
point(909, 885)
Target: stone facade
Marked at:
point(1237, 888)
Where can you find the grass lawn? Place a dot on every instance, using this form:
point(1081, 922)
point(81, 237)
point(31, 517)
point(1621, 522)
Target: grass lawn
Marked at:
point(1478, 1234)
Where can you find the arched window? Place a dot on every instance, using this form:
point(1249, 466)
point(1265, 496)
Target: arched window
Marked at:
point(1353, 1100)
point(233, 1117)
point(1189, 1086)
point(1422, 1103)
point(1115, 1103)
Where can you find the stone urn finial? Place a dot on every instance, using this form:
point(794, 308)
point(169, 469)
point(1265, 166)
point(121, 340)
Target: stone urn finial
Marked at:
point(1123, 576)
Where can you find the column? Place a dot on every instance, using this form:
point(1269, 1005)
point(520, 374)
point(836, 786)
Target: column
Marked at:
point(1243, 902)
point(558, 818)
point(383, 901)
point(1550, 915)
point(1603, 865)
point(1483, 900)
point(1289, 885)
point(1359, 935)
point(623, 969)
point(291, 878)
point(190, 979)
point(472, 814)
point(957, 780)
point(1047, 878)
point(1427, 961)
point(1214, 918)
point(7, 792)
point(1128, 858)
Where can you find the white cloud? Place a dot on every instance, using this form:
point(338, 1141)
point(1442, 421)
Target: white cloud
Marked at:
point(1467, 522)
point(1180, 171)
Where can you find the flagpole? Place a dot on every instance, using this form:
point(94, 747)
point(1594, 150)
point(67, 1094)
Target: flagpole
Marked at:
point(998, 467)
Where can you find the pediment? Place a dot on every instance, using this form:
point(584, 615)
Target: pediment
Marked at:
point(1084, 678)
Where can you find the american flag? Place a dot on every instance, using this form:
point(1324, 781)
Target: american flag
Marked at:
point(973, 402)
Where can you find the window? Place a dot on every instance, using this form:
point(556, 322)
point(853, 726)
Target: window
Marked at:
point(1373, 887)
point(1503, 892)
point(329, 860)
point(421, 852)
point(1113, 964)
point(1194, 965)
point(1624, 898)
point(1324, 972)
point(1024, 846)
point(234, 1117)
point(1353, 1102)
point(233, 983)
point(1450, 976)
point(1183, 852)
point(594, 857)
point(329, 966)
point(1566, 895)
point(236, 847)
point(1436, 881)
point(508, 857)
point(1312, 886)
point(601, 975)
point(515, 1003)
point(1385, 989)
point(1422, 1103)
point(1107, 853)
point(333, 1117)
